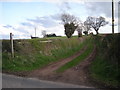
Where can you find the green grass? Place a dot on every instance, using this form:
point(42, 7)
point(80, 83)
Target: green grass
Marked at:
point(104, 72)
point(77, 60)
point(105, 68)
point(32, 54)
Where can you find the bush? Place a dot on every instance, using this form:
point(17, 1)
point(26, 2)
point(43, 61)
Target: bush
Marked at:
point(51, 35)
point(105, 67)
point(85, 32)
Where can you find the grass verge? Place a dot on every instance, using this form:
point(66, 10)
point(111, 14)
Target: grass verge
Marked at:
point(105, 68)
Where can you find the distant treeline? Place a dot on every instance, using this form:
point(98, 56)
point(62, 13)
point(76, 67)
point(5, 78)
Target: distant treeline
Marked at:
point(52, 35)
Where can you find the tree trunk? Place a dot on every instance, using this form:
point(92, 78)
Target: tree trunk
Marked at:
point(97, 32)
point(79, 34)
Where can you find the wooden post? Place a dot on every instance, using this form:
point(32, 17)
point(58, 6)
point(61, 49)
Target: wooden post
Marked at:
point(12, 49)
point(112, 17)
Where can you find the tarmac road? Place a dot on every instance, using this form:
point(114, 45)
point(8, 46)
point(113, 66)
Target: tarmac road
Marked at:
point(11, 81)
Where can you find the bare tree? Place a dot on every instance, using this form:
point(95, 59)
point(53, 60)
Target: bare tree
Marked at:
point(86, 27)
point(70, 24)
point(67, 18)
point(80, 28)
point(44, 33)
point(96, 23)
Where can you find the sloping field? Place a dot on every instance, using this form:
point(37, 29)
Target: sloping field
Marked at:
point(35, 53)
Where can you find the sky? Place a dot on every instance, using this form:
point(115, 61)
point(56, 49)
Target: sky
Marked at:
point(21, 17)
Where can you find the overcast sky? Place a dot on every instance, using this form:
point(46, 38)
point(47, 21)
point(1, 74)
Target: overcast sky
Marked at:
point(21, 18)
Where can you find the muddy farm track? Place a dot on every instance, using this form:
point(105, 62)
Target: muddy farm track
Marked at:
point(75, 75)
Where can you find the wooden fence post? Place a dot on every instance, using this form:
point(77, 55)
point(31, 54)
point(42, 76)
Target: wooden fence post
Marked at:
point(12, 49)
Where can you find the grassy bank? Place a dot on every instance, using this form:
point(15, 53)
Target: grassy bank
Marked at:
point(80, 58)
point(32, 53)
point(105, 68)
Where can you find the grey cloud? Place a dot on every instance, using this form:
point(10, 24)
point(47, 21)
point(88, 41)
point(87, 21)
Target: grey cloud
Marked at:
point(56, 17)
point(64, 6)
point(98, 8)
point(9, 26)
point(27, 24)
point(46, 21)
point(16, 29)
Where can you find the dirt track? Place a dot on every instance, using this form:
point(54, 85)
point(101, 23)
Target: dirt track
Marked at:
point(76, 75)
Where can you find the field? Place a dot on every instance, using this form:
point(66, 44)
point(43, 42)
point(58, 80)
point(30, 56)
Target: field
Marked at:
point(32, 54)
